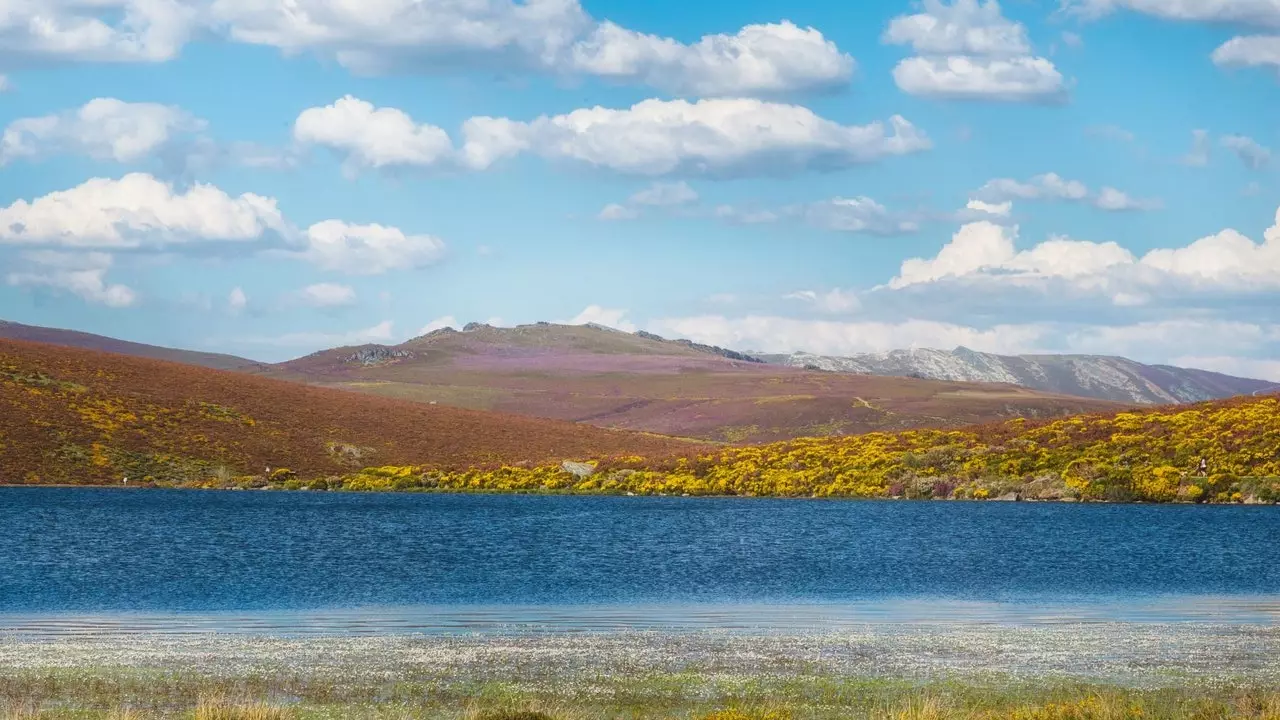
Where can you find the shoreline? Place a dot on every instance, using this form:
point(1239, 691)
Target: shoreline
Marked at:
point(582, 493)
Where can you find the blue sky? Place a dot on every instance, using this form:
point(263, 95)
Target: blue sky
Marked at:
point(269, 178)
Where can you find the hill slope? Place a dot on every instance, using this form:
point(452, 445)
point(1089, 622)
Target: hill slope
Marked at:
point(642, 382)
point(73, 415)
point(1095, 376)
point(89, 341)
point(1150, 455)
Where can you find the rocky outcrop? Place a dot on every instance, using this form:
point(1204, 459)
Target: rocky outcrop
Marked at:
point(376, 355)
point(1094, 376)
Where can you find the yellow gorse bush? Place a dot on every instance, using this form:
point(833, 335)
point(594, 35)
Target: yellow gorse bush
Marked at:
point(1150, 456)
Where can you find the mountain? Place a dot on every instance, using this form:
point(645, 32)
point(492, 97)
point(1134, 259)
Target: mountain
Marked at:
point(1093, 376)
point(640, 381)
point(80, 416)
point(88, 341)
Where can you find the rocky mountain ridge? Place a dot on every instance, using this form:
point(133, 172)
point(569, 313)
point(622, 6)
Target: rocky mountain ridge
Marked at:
point(1094, 376)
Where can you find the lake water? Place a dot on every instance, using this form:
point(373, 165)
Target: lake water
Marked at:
point(129, 559)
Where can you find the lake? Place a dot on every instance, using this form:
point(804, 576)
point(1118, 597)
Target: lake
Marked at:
point(379, 561)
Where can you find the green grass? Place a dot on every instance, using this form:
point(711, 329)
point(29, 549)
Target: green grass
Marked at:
point(119, 694)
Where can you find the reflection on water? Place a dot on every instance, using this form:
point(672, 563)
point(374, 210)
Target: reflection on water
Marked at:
point(742, 618)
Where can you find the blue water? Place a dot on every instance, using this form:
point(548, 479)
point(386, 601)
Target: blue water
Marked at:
point(114, 550)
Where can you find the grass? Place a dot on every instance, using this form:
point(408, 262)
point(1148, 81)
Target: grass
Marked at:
point(95, 697)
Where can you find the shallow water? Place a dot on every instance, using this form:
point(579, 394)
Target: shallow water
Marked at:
point(177, 561)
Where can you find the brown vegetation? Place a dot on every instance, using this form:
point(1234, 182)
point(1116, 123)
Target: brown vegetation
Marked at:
point(77, 416)
point(619, 380)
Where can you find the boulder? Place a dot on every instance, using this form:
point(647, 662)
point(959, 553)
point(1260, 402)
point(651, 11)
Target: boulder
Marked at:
point(577, 469)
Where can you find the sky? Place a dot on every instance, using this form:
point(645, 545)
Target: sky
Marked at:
point(273, 177)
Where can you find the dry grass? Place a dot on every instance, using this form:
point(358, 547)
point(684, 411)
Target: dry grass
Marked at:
point(217, 708)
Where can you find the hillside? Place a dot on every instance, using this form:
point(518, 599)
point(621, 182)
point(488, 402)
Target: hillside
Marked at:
point(642, 382)
point(1151, 455)
point(77, 416)
point(1095, 376)
point(89, 341)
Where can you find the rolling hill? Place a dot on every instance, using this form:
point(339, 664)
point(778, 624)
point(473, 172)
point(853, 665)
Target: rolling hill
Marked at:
point(89, 341)
point(82, 416)
point(640, 381)
point(1095, 376)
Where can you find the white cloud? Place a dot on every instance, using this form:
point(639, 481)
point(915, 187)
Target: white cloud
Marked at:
point(659, 195)
point(381, 333)
point(1114, 200)
point(137, 211)
point(958, 77)
point(103, 129)
point(327, 295)
point(440, 323)
point(969, 51)
point(996, 210)
point(367, 249)
point(1072, 40)
point(710, 137)
point(554, 37)
point(237, 301)
point(1249, 51)
point(985, 252)
point(1052, 186)
point(51, 31)
point(759, 59)
point(616, 319)
point(1251, 153)
point(772, 334)
point(856, 215)
point(834, 301)
point(715, 138)
point(370, 137)
point(5, 84)
point(83, 275)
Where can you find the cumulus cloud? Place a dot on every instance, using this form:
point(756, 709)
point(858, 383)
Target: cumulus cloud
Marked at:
point(834, 301)
point(1254, 155)
point(103, 129)
point(367, 249)
point(327, 295)
point(58, 31)
point(1051, 186)
point(712, 138)
point(81, 274)
point(137, 211)
point(657, 195)
point(555, 37)
point(759, 59)
point(369, 137)
point(968, 50)
point(985, 252)
point(1249, 51)
point(597, 315)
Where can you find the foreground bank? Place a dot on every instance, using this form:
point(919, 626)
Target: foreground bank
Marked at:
point(1076, 671)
